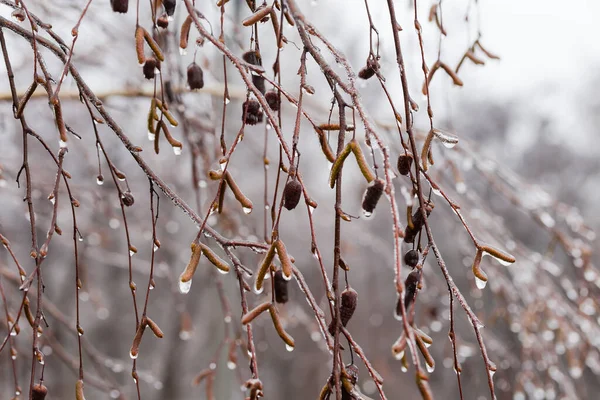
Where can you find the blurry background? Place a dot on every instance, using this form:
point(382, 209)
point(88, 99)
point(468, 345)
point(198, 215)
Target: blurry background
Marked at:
point(525, 173)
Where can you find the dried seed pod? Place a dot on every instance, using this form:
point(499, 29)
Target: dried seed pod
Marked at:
point(292, 193)
point(259, 82)
point(169, 6)
point(127, 199)
point(411, 258)
point(119, 6)
point(195, 76)
point(369, 70)
point(150, 67)
point(281, 287)
point(252, 112)
point(404, 163)
point(372, 196)
point(411, 284)
point(252, 57)
point(273, 100)
point(349, 299)
point(39, 392)
point(163, 21)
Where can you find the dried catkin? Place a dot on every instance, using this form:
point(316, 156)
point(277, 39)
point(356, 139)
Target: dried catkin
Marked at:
point(404, 163)
point(273, 100)
point(251, 113)
point(39, 392)
point(411, 258)
point(281, 288)
point(372, 196)
point(195, 76)
point(349, 299)
point(292, 193)
point(120, 6)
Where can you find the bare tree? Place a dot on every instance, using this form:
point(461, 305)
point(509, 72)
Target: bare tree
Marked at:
point(276, 141)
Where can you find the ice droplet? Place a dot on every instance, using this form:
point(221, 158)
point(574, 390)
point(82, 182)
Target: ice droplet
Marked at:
point(231, 365)
point(151, 136)
point(247, 210)
point(430, 368)
point(227, 100)
point(480, 283)
point(133, 356)
point(212, 366)
point(258, 290)
point(289, 348)
point(184, 287)
point(100, 180)
point(131, 253)
point(177, 150)
point(182, 51)
point(367, 214)
point(62, 144)
point(399, 355)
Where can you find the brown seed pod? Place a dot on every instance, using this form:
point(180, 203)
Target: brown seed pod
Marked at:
point(292, 193)
point(369, 70)
point(252, 57)
point(127, 199)
point(119, 6)
point(411, 258)
point(150, 67)
point(349, 298)
point(252, 112)
point(372, 196)
point(163, 21)
point(195, 76)
point(404, 163)
point(39, 392)
point(259, 82)
point(273, 100)
point(169, 6)
point(411, 284)
point(281, 287)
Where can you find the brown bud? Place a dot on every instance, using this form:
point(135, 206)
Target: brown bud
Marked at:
point(150, 66)
point(411, 258)
point(252, 57)
point(195, 76)
point(252, 112)
point(404, 163)
point(273, 100)
point(292, 193)
point(39, 392)
point(349, 299)
point(372, 196)
point(281, 287)
point(259, 82)
point(127, 199)
point(169, 6)
point(120, 6)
